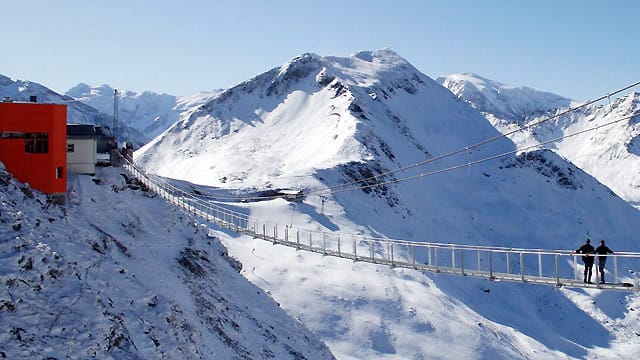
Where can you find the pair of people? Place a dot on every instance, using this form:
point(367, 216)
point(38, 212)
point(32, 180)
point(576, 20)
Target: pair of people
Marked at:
point(588, 258)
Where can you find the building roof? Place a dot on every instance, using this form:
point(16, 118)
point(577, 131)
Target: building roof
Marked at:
point(84, 130)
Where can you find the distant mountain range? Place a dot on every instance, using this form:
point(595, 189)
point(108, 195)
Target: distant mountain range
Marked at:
point(148, 112)
point(380, 149)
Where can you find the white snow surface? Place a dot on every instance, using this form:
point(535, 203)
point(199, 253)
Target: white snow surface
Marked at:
point(610, 153)
point(319, 122)
point(77, 112)
point(118, 274)
point(501, 100)
point(148, 112)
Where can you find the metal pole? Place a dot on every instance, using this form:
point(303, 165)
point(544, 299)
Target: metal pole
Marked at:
point(522, 266)
point(490, 264)
point(453, 257)
point(413, 255)
point(324, 244)
point(355, 252)
point(371, 250)
point(597, 265)
point(557, 271)
point(508, 265)
point(435, 255)
point(392, 260)
point(540, 264)
point(462, 261)
point(615, 269)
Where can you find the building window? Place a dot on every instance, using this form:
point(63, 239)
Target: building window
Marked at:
point(36, 143)
point(70, 148)
point(12, 135)
point(59, 172)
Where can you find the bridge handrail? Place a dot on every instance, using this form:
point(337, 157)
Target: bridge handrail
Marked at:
point(562, 252)
point(388, 251)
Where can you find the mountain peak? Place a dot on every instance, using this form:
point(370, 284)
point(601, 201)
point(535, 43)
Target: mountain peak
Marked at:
point(384, 55)
point(503, 101)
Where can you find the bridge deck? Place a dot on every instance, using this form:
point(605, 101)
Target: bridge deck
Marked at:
point(533, 266)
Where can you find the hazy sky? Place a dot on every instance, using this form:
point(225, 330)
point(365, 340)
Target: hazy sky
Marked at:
point(581, 49)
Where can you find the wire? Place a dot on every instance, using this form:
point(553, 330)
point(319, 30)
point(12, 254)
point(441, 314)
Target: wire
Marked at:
point(455, 167)
point(345, 186)
point(486, 141)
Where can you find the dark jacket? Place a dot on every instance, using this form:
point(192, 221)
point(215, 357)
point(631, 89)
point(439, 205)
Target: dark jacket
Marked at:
point(603, 250)
point(586, 249)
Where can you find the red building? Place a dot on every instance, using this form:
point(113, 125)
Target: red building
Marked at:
point(33, 144)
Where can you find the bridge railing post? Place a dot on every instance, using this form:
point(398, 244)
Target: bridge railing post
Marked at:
point(355, 251)
point(462, 261)
point(435, 255)
point(453, 257)
point(413, 255)
point(575, 267)
point(615, 269)
point(557, 270)
point(275, 234)
point(521, 266)
point(392, 258)
point(540, 264)
point(371, 251)
point(429, 260)
point(508, 264)
point(479, 261)
point(324, 244)
point(490, 264)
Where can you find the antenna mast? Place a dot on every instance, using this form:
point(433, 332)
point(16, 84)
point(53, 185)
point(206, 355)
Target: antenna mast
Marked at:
point(115, 115)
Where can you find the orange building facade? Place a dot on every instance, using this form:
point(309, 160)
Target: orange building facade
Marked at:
point(33, 144)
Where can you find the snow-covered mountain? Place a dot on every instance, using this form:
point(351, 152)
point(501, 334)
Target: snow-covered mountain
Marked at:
point(77, 112)
point(505, 102)
point(322, 123)
point(148, 112)
point(118, 274)
point(609, 153)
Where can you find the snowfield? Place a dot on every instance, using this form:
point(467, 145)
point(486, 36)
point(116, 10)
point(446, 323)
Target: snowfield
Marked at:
point(117, 273)
point(369, 140)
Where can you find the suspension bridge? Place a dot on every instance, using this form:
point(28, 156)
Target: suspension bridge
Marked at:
point(559, 268)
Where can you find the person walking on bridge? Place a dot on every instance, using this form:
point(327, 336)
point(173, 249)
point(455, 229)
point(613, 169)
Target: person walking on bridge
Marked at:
point(587, 252)
point(602, 252)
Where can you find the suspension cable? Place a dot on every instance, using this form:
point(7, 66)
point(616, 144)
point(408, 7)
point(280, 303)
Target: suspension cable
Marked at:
point(475, 162)
point(489, 140)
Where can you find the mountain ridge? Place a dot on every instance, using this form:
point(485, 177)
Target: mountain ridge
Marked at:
point(319, 123)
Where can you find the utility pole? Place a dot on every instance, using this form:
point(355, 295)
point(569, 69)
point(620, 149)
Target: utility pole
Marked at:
point(115, 115)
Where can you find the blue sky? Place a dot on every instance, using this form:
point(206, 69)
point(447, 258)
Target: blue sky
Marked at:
point(581, 49)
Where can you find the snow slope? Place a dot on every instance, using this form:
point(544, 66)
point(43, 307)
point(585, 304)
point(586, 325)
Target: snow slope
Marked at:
point(500, 100)
point(609, 152)
point(323, 123)
point(118, 274)
point(148, 112)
